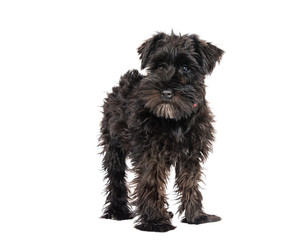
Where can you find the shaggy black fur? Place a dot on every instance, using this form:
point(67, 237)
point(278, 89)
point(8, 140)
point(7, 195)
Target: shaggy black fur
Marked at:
point(159, 120)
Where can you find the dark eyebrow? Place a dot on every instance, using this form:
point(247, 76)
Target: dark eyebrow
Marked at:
point(159, 58)
point(183, 58)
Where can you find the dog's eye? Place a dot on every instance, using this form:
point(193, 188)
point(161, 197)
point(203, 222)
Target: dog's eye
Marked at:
point(160, 66)
point(186, 68)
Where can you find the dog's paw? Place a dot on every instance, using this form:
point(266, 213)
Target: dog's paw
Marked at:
point(118, 215)
point(155, 227)
point(204, 218)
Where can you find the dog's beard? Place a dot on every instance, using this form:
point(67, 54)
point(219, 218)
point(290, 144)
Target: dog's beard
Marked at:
point(152, 101)
point(165, 110)
point(181, 105)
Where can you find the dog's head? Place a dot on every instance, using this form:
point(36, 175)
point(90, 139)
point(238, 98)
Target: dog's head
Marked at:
point(177, 65)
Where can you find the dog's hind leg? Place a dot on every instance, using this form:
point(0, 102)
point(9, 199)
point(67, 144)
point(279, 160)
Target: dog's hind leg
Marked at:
point(116, 205)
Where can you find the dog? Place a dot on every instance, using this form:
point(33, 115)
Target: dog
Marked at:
point(159, 120)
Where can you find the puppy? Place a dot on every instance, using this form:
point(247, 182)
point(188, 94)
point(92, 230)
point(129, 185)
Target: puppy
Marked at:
point(158, 120)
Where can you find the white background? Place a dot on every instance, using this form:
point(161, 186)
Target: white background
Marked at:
point(59, 58)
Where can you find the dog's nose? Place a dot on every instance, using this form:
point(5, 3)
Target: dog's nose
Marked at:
point(167, 94)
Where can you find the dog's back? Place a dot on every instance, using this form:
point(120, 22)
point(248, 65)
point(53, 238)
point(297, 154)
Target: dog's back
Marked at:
point(114, 122)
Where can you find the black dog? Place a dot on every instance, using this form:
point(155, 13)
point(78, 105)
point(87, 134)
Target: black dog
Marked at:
point(159, 120)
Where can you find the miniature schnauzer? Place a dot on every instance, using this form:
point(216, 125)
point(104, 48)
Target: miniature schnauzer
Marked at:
point(159, 120)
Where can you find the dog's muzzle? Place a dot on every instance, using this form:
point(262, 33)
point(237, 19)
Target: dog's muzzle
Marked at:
point(167, 94)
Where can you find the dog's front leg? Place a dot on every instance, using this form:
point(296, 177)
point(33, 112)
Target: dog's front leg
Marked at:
point(150, 196)
point(188, 176)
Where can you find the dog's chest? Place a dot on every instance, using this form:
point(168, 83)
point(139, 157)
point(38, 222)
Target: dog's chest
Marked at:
point(177, 135)
point(167, 139)
point(172, 138)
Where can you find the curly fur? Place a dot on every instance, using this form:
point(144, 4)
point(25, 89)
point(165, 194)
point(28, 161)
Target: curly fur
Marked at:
point(157, 132)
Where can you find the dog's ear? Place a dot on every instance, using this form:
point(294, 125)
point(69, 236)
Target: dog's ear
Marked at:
point(148, 48)
point(208, 54)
